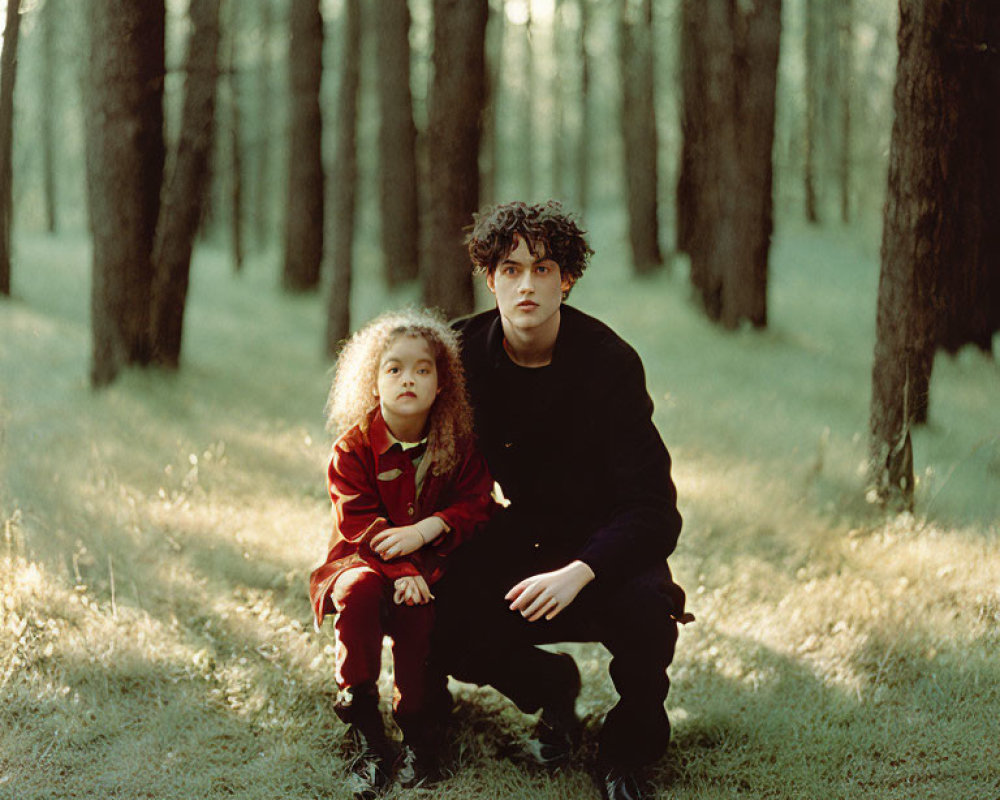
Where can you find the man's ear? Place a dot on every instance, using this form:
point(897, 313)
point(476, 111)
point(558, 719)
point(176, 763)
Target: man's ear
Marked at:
point(491, 281)
point(567, 283)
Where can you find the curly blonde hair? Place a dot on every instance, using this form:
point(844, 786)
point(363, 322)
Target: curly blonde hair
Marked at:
point(352, 395)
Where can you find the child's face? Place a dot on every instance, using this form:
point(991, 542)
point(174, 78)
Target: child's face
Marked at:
point(407, 380)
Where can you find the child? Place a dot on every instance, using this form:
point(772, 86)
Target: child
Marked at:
point(408, 486)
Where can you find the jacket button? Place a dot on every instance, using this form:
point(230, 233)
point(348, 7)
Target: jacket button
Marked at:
point(409, 509)
point(508, 444)
point(536, 545)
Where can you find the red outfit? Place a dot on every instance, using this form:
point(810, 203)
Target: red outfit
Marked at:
point(373, 487)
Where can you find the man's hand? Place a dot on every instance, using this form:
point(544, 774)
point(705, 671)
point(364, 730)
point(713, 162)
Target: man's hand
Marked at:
point(395, 542)
point(412, 590)
point(547, 594)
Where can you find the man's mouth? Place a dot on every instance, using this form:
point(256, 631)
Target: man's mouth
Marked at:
point(527, 304)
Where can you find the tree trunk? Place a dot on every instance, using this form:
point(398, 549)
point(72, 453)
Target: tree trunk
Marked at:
point(558, 137)
point(639, 132)
point(968, 295)
point(811, 91)
point(491, 145)
point(454, 130)
point(693, 143)
point(48, 91)
point(527, 157)
point(304, 208)
point(237, 161)
point(125, 153)
point(936, 114)
point(846, 82)
point(8, 73)
point(263, 128)
point(397, 145)
point(338, 323)
point(187, 185)
point(583, 142)
point(726, 185)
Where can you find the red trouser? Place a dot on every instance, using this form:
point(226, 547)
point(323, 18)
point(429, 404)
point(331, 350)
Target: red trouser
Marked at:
point(365, 612)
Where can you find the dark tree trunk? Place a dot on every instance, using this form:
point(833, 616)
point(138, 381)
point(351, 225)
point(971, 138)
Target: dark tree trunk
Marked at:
point(263, 128)
point(8, 73)
point(304, 209)
point(125, 153)
point(583, 142)
point(48, 92)
point(639, 132)
point(811, 92)
point(495, 30)
point(397, 145)
point(338, 321)
point(725, 190)
point(558, 137)
point(932, 228)
point(968, 295)
point(693, 143)
point(454, 130)
point(187, 184)
point(846, 82)
point(527, 157)
point(236, 159)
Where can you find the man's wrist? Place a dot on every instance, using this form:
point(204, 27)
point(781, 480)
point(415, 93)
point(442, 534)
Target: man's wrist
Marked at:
point(583, 570)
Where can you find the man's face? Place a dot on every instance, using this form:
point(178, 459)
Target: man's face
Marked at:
point(528, 287)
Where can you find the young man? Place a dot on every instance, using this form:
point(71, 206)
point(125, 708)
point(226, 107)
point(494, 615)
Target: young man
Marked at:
point(564, 420)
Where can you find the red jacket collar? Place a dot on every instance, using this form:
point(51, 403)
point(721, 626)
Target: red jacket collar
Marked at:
point(378, 432)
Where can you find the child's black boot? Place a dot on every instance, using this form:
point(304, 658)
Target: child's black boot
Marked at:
point(371, 769)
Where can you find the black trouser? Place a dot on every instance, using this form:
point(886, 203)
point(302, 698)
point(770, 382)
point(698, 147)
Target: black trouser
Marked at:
point(479, 640)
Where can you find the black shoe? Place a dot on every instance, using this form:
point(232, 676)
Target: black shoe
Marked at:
point(370, 772)
point(622, 785)
point(416, 767)
point(558, 730)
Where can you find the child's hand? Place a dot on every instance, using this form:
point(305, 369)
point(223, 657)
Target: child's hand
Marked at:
point(411, 590)
point(395, 542)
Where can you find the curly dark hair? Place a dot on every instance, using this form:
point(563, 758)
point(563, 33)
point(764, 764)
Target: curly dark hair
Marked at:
point(547, 225)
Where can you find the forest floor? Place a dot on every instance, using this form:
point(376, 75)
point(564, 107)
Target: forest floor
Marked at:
point(155, 635)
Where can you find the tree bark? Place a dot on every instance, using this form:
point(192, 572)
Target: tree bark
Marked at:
point(236, 159)
point(968, 295)
point(262, 212)
point(529, 143)
point(49, 60)
point(811, 92)
point(454, 132)
point(639, 132)
point(187, 185)
point(304, 208)
point(558, 137)
point(726, 177)
point(338, 325)
point(125, 153)
point(491, 144)
point(398, 197)
point(8, 74)
point(921, 236)
point(846, 31)
point(586, 113)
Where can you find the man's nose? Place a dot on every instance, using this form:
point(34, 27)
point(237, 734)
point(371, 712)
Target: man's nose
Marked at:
point(527, 283)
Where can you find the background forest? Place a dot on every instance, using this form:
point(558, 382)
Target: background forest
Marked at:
point(793, 207)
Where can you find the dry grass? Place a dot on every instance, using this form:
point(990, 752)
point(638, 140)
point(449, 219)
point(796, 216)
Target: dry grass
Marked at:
point(154, 630)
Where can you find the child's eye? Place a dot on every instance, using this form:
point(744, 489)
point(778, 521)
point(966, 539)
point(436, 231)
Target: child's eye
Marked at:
point(392, 370)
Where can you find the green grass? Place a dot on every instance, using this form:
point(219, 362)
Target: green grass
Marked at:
point(155, 639)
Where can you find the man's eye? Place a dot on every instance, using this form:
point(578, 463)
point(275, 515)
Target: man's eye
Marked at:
point(508, 270)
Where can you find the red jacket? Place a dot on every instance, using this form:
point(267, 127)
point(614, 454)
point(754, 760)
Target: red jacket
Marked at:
point(372, 485)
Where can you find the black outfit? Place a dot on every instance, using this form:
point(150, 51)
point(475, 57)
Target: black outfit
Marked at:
point(574, 449)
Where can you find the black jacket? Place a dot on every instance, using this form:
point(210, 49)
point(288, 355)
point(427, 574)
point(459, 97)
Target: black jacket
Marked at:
point(574, 448)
